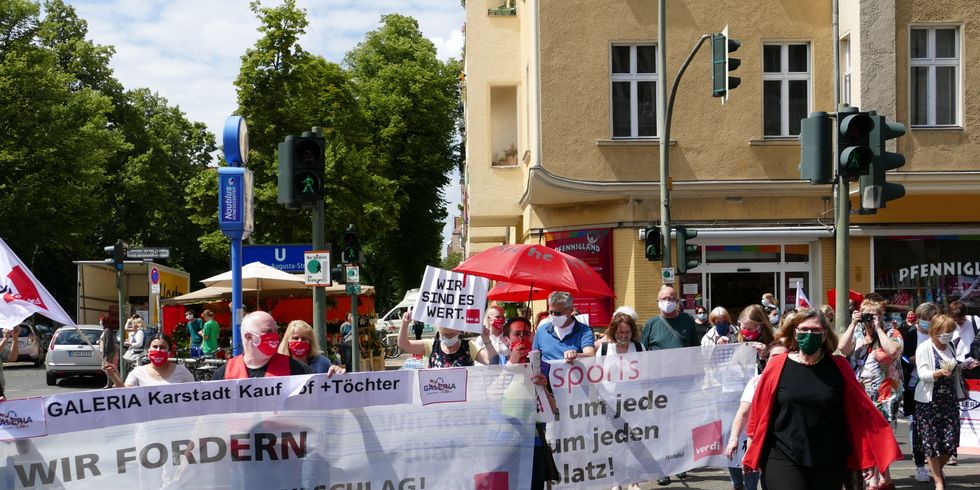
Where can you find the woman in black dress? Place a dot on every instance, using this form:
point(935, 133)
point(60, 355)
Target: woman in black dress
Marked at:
point(937, 415)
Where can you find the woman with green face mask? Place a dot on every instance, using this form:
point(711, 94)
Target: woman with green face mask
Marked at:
point(811, 420)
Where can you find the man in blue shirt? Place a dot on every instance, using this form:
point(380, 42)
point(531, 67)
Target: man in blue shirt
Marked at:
point(562, 336)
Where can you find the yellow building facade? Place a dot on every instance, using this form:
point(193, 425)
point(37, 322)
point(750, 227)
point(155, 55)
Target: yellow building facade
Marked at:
point(561, 143)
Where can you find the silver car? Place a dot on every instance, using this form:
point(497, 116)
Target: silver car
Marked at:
point(28, 346)
point(69, 355)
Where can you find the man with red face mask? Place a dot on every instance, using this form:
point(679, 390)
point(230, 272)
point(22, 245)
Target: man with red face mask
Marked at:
point(260, 341)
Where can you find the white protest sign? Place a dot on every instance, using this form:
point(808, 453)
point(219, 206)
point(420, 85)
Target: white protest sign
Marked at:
point(659, 413)
point(451, 300)
point(22, 418)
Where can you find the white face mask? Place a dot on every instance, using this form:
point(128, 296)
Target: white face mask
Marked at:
point(558, 320)
point(449, 342)
point(945, 338)
point(702, 317)
point(667, 306)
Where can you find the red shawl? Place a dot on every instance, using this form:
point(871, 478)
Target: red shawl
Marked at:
point(869, 435)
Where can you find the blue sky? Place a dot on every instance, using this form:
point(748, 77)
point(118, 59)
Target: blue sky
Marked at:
point(189, 50)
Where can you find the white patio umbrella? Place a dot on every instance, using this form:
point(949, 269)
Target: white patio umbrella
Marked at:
point(259, 277)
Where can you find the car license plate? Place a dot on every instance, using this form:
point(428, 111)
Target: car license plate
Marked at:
point(80, 353)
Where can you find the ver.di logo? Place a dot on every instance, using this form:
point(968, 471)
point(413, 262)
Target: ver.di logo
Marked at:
point(439, 385)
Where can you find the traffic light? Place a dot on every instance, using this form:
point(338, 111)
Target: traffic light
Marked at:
point(338, 275)
point(654, 243)
point(853, 143)
point(301, 170)
point(687, 255)
point(721, 64)
point(875, 191)
point(118, 254)
point(816, 149)
point(351, 253)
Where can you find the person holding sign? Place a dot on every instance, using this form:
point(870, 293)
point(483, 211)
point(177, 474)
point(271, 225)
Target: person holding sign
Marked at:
point(562, 336)
point(810, 419)
point(260, 340)
point(160, 371)
point(446, 349)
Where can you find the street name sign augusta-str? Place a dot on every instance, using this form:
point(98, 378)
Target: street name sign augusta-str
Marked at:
point(287, 258)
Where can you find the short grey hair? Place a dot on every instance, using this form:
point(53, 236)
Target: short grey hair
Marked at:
point(926, 311)
point(561, 298)
point(255, 319)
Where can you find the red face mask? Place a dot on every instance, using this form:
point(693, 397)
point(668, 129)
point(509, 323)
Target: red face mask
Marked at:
point(521, 344)
point(158, 357)
point(268, 343)
point(299, 348)
point(750, 334)
point(497, 322)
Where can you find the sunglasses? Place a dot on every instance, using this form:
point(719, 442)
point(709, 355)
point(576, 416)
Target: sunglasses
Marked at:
point(555, 313)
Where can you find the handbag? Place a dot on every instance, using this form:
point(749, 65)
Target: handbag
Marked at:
point(132, 355)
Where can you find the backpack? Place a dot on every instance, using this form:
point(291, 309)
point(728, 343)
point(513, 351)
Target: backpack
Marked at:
point(604, 348)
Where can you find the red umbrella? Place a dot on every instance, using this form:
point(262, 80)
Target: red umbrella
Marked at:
point(510, 292)
point(851, 294)
point(538, 266)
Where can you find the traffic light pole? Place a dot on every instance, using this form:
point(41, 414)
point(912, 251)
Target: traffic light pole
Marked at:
point(843, 205)
point(355, 345)
point(319, 295)
point(663, 123)
point(121, 288)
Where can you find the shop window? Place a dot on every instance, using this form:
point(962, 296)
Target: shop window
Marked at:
point(727, 254)
point(912, 270)
point(801, 279)
point(503, 125)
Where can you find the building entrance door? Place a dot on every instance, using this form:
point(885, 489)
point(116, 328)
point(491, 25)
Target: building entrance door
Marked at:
point(736, 290)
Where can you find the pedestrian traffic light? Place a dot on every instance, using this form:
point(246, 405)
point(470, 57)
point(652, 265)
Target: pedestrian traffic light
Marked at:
point(875, 191)
point(351, 253)
point(285, 184)
point(338, 275)
point(853, 143)
point(118, 254)
point(816, 149)
point(654, 243)
point(301, 170)
point(722, 63)
point(687, 255)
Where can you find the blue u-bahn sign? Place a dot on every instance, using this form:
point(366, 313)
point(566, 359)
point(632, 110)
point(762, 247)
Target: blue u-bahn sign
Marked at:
point(287, 258)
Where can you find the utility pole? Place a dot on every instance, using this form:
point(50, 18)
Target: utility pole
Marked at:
point(319, 243)
point(843, 204)
point(663, 125)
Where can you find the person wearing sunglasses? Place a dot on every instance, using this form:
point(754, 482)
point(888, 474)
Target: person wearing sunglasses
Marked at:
point(562, 336)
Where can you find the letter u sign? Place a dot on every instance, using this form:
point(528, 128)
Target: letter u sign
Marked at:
point(280, 254)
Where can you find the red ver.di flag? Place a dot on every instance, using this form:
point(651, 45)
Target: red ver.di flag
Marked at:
point(451, 300)
point(594, 247)
point(22, 295)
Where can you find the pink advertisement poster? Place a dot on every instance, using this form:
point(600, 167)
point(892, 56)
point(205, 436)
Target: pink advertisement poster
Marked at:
point(594, 247)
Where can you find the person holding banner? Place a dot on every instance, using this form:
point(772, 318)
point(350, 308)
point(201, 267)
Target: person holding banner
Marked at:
point(671, 329)
point(260, 341)
point(810, 419)
point(160, 371)
point(446, 349)
point(299, 343)
point(721, 331)
point(562, 336)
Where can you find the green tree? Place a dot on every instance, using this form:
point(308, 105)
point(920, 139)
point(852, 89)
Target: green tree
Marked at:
point(450, 261)
point(411, 102)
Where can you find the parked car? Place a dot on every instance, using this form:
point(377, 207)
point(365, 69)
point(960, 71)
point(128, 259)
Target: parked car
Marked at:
point(69, 354)
point(29, 346)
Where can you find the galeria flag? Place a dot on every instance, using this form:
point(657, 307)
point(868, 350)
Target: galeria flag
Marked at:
point(801, 300)
point(21, 295)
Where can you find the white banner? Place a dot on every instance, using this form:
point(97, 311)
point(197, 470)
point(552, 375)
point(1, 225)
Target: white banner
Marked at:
point(451, 300)
point(637, 417)
point(486, 442)
point(970, 420)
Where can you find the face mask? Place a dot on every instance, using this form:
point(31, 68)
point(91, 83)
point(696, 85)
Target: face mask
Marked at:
point(524, 346)
point(268, 343)
point(299, 348)
point(702, 317)
point(945, 338)
point(449, 342)
point(158, 357)
point(774, 319)
point(667, 306)
point(766, 302)
point(750, 334)
point(623, 339)
point(723, 328)
point(558, 321)
point(923, 325)
point(497, 322)
point(809, 342)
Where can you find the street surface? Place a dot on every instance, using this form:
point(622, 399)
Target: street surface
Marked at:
point(24, 380)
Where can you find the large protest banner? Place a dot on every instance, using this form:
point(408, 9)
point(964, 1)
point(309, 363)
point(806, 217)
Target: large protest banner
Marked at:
point(451, 300)
point(636, 417)
point(363, 430)
point(970, 419)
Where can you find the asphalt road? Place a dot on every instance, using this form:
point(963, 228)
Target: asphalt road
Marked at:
point(24, 380)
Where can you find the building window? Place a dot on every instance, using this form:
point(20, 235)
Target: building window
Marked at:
point(934, 61)
point(845, 82)
point(634, 90)
point(503, 126)
point(786, 87)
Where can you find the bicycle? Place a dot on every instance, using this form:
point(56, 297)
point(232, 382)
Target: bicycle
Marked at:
point(390, 343)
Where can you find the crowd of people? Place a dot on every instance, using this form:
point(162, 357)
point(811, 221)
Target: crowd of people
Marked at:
point(821, 410)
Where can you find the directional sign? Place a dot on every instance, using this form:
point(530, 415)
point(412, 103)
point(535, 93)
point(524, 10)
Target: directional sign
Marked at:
point(317, 267)
point(148, 253)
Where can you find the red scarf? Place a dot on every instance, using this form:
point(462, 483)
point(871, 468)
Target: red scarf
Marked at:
point(278, 366)
point(869, 435)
